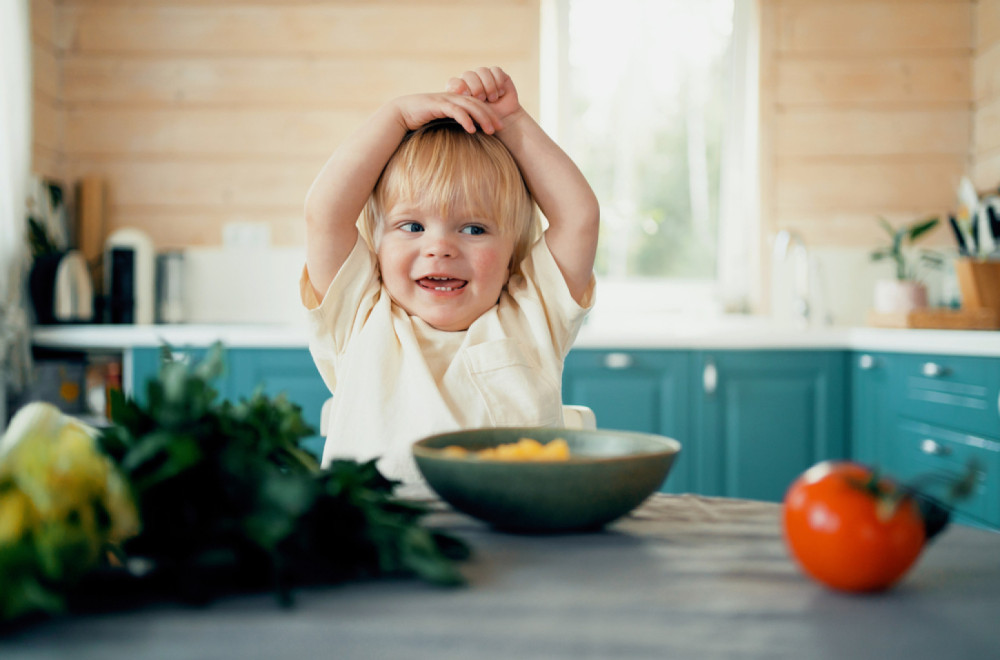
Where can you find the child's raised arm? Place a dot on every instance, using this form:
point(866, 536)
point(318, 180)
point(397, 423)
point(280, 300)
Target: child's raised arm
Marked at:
point(558, 186)
point(341, 190)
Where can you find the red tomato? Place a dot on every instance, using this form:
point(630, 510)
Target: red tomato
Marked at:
point(836, 529)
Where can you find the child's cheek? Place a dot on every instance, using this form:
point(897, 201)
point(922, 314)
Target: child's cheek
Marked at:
point(495, 263)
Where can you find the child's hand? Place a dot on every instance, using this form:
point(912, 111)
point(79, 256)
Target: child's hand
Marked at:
point(418, 109)
point(489, 84)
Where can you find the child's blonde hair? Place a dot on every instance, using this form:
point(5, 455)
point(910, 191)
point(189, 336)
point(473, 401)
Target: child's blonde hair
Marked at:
point(442, 164)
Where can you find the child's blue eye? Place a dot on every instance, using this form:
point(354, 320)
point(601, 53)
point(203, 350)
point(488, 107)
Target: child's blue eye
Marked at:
point(411, 226)
point(474, 230)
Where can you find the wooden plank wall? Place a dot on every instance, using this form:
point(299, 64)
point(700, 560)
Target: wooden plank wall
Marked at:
point(986, 89)
point(48, 116)
point(866, 111)
point(202, 114)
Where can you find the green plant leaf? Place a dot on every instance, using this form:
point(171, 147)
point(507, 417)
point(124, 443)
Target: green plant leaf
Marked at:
point(921, 228)
point(897, 242)
point(932, 259)
point(38, 239)
point(904, 269)
point(889, 229)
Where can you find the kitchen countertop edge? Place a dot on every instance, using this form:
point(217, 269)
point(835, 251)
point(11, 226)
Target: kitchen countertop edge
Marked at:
point(741, 337)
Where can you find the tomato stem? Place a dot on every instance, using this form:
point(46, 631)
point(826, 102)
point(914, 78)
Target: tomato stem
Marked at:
point(886, 493)
point(959, 487)
point(936, 511)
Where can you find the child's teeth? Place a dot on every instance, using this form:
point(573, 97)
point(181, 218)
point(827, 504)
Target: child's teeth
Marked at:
point(446, 283)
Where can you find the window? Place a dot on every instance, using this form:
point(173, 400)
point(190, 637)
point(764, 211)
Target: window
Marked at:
point(652, 99)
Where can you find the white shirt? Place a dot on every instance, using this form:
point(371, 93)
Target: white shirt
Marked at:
point(396, 379)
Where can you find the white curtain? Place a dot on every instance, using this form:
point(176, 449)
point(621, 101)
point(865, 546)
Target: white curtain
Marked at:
point(739, 221)
point(15, 166)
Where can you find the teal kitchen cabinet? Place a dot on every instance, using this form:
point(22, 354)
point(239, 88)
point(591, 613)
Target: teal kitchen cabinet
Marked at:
point(749, 422)
point(145, 365)
point(276, 370)
point(763, 416)
point(871, 418)
point(281, 370)
point(918, 449)
point(958, 392)
point(637, 390)
point(930, 414)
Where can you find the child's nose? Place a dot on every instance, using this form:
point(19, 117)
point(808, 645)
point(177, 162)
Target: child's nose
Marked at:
point(440, 246)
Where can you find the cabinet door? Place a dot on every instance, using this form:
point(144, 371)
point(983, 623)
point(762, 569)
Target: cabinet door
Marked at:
point(871, 415)
point(765, 416)
point(288, 370)
point(642, 391)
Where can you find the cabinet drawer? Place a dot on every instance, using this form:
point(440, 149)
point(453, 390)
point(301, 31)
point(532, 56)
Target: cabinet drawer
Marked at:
point(954, 391)
point(923, 449)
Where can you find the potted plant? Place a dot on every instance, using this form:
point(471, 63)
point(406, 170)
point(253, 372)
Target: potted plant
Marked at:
point(904, 292)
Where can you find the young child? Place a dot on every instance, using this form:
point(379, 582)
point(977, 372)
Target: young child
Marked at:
point(445, 307)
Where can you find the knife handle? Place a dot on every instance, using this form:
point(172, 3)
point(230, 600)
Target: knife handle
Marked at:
point(994, 217)
point(974, 227)
point(963, 249)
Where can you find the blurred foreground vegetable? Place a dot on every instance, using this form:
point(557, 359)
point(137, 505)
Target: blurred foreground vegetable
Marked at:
point(855, 530)
point(62, 503)
point(227, 500)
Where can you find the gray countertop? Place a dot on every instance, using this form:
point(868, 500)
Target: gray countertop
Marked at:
point(682, 577)
point(642, 332)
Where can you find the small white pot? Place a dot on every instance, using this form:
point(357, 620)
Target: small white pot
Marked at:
point(899, 296)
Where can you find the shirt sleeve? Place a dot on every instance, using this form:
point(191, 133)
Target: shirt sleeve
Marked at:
point(345, 305)
point(541, 282)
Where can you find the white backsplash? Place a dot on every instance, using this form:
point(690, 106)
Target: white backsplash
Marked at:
point(239, 284)
point(846, 280)
point(243, 285)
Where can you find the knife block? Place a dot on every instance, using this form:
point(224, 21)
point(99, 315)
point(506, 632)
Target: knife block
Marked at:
point(979, 282)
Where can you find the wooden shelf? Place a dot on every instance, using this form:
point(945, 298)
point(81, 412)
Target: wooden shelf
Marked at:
point(940, 319)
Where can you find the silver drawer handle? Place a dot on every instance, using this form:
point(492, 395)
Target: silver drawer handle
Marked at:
point(618, 360)
point(866, 362)
point(710, 377)
point(934, 448)
point(933, 370)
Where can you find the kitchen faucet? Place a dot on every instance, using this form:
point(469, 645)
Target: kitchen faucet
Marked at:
point(789, 243)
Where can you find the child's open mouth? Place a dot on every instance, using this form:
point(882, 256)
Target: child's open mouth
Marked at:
point(441, 283)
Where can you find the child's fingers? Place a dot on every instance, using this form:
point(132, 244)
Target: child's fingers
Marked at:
point(462, 117)
point(457, 86)
point(477, 85)
point(488, 78)
point(469, 111)
point(500, 79)
point(484, 83)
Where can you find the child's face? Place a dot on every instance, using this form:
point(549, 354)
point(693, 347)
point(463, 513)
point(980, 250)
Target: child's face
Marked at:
point(446, 270)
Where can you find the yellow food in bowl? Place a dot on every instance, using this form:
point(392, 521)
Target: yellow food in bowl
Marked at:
point(525, 449)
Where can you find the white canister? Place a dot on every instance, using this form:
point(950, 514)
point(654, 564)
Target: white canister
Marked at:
point(170, 287)
point(899, 296)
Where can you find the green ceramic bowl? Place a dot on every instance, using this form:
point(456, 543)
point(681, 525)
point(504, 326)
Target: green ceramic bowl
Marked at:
point(609, 473)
